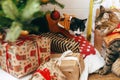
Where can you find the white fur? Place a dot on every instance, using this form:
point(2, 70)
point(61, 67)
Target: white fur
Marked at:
point(76, 32)
point(92, 64)
point(71, 32)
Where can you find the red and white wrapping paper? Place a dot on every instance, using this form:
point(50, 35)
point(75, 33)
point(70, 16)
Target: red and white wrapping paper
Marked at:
point(25, 55)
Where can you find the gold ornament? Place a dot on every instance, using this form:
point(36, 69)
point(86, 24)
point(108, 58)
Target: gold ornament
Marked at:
point(44, 1)
point(24, 33)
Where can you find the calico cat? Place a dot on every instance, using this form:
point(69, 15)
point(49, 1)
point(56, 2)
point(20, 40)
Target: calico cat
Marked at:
point(106, 22)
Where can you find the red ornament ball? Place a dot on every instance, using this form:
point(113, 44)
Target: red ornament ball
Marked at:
point(55, 15)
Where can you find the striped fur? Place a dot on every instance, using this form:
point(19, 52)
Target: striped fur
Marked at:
point(112, 54)
point(61, 44)
point(106, 22)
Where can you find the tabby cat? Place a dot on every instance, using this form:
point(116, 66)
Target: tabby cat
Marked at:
point(112, 54)
point(106, 22)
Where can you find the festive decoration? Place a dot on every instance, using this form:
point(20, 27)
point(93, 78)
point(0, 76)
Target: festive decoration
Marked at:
point(17, 15)
point(55, 15)
point(49, 25)
point(71, 64)
point(64, 43)
point(85, 46)
point(48, 71)
point(65, 22)
point(44, 1)
point(24, 56)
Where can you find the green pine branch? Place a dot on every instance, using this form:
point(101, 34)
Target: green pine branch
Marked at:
point(17, 14)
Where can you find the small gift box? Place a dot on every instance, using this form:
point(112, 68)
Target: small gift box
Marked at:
point(24, 55)
point(60, 43)
point(71, 64)
point(48, 71)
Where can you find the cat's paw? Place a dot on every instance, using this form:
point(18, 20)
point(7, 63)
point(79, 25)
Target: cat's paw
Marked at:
point(102, 71)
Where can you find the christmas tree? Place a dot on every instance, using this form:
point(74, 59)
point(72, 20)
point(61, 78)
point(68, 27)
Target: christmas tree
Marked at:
point(17, 15)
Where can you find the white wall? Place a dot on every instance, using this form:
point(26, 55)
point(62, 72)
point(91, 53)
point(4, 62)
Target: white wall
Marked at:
point(79, 8)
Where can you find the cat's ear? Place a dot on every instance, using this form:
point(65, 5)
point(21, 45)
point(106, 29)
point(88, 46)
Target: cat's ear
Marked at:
point(72, 20)
point(84, 20)
point(102, 9)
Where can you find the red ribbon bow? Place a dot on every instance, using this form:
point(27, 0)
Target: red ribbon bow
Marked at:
point(45, 73)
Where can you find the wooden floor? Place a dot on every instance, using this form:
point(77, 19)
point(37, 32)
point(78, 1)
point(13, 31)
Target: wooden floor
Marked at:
point(110, 76)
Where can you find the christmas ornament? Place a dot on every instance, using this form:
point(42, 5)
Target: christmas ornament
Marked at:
point(24, 33)
point(17, 15)
point(44, 1)
point(55, 15)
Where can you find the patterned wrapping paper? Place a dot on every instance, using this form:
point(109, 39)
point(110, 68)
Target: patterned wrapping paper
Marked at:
point(44, 45)
point(67, 70)
point(60, 43)
point(48, 71)
point(25, 55)
point(69, 66)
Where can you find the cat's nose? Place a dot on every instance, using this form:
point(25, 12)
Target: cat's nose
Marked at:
point(77, 34)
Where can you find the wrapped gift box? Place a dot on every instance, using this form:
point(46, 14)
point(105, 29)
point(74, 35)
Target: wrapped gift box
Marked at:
point(25, 55)
point(70, 68)
point(60, 43)
point(48, 71)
